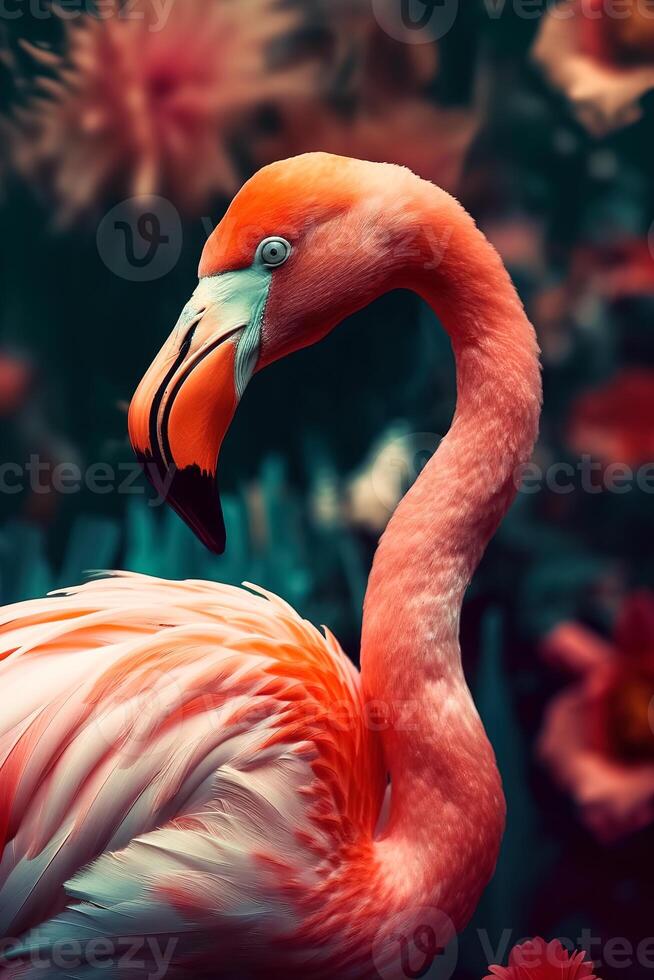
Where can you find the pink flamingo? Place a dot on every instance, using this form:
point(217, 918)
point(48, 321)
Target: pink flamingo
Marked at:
point(192, 768)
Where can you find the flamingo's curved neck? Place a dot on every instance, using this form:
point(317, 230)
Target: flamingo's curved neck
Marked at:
point(447, 810)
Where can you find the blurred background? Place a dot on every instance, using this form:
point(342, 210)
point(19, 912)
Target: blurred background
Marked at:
point(125, 130)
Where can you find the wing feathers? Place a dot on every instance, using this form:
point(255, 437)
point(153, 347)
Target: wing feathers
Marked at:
point(171, 762)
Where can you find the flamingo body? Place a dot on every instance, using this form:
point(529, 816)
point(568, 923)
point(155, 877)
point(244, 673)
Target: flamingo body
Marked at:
point(192, 767)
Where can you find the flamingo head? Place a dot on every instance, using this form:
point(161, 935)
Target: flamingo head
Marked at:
point(305, 243)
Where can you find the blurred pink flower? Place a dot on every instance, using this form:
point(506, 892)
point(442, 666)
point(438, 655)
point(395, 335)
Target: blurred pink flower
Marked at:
point(144, 102)
point(538, 960)
point(614, 423)
point(432, 142)
point(598, 734)
point(602, 64)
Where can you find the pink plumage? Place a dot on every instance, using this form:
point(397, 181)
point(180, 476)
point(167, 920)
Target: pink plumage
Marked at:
point(194, 767)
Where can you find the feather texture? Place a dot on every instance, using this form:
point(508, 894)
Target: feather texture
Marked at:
point(175, 760)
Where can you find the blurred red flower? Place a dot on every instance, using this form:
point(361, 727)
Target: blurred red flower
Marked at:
point(148, 100)
point(603, 64)
point(15, 380)
point(538, 960)
point(614, 423)
point(598, 734)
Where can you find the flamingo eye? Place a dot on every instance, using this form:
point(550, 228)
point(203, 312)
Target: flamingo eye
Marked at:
point(274, 251)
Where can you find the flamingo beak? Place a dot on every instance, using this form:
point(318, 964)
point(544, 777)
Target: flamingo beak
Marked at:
point(183, 406)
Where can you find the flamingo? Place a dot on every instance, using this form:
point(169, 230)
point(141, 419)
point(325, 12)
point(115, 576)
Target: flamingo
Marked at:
point(195, 779)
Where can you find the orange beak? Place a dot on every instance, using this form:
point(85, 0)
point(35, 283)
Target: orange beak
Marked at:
point(183, 406)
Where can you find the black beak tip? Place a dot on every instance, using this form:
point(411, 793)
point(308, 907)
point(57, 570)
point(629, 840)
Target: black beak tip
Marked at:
point(193, 494)
point(215, 539)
